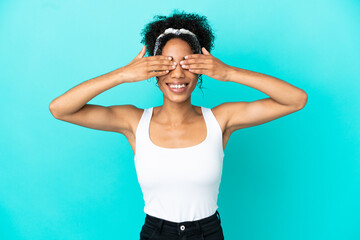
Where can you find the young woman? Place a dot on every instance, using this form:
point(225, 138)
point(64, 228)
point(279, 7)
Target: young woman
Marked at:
point(178, 147)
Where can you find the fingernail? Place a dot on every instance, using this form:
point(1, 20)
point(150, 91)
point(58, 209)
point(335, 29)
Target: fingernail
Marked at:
point(186, 57)
point(169, 58)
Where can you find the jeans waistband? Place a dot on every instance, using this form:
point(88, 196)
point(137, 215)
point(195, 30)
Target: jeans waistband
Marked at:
point(180, 228)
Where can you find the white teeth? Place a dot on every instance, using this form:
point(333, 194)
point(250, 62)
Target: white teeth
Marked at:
point(177, 86)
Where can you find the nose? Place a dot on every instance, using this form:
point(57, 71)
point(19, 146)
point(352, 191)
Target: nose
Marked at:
point(178, 71)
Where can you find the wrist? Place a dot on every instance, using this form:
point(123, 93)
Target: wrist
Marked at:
point(231, 71)
point(120, 76)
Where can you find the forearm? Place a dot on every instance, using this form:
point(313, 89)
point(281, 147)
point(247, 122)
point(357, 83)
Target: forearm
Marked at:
point(279, 90)
point(75, 98)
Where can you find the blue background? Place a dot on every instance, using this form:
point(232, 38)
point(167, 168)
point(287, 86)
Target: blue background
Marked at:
point(294, 178)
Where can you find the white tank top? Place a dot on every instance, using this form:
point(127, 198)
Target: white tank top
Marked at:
point(179, 184)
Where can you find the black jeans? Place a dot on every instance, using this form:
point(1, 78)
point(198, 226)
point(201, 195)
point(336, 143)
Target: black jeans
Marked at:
point(203, 229)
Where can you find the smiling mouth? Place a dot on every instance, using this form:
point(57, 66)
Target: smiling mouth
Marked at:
point(178, 90)
point(178, 84)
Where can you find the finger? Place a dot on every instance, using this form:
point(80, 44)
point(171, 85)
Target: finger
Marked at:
point(196, 60)
point(142, 52)
point(161, 67)
point(159, 73)
point(205, 51)
point(160, 62)
point(196, 66)
point(193, 56)
point(159, 57)
point(198, 71)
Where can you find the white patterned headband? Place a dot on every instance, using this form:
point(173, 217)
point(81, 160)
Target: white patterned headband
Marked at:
point(177, 32)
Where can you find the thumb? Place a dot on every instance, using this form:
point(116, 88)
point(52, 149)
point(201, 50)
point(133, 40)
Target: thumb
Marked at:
point(142, 52)
point(206, 52)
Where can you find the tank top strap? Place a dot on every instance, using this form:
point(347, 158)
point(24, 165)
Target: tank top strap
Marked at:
point(143, 127)
point(215, 132)
point(212, 126)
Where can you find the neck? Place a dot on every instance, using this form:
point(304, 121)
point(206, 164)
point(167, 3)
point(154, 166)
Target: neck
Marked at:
point(175, 114)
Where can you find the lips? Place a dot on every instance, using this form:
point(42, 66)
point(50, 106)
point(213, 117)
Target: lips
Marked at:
point(178, 90)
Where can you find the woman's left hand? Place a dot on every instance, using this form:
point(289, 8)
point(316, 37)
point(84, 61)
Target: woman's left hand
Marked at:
point(206, 64)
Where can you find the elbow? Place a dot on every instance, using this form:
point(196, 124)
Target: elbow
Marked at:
point(52, 110)
point(302, 100)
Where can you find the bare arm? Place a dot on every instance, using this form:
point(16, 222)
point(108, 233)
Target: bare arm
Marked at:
point(284, 99)
point(76, 98)
point(72, 105)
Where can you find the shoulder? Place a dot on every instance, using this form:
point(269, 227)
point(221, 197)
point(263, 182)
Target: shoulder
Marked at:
point(222, 113)
point(130, 114)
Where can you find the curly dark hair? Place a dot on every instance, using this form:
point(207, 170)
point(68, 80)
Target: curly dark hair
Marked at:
point(190, 21)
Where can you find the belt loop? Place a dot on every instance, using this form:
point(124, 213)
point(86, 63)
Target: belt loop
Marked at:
point(161, 222)
point(218, 214)
point(199, 227)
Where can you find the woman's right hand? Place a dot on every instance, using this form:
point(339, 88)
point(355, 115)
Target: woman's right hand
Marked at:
point(142, 68)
